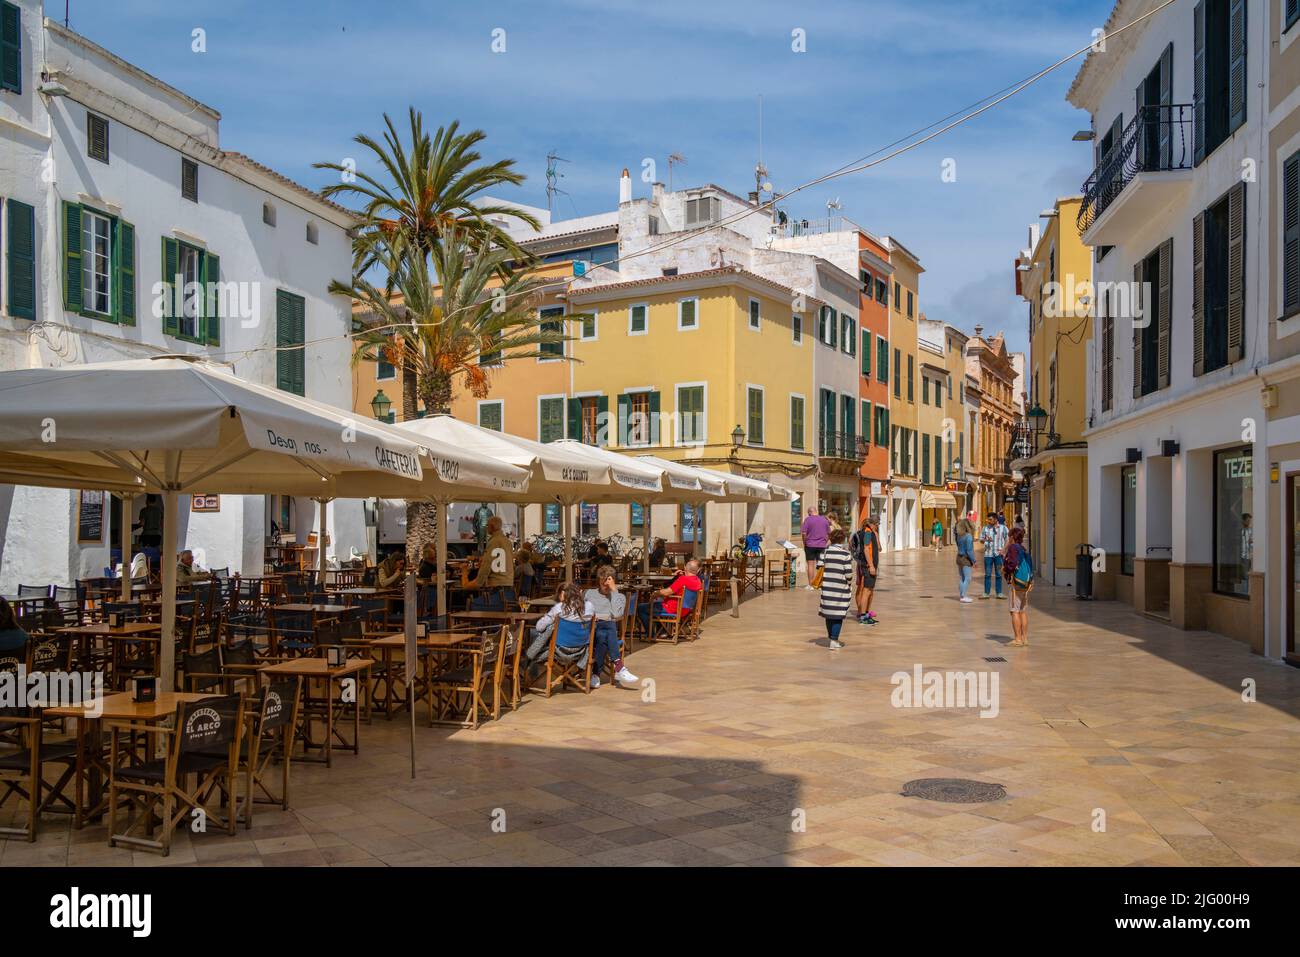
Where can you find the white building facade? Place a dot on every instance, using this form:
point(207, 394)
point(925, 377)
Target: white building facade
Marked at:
point(1176, 454)
point(113, 182)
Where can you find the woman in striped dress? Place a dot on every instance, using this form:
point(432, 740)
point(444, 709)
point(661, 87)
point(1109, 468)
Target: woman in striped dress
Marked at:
point(837, 586)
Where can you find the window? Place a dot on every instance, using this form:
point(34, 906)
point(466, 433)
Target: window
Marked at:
point(313, 234)
point(866, 353)
point(796, 422)
point(925, 460)
point(925, 389)
point(1107, 361)
point(866, 425)
point(882, 292)
point(97, 137)
point(589, 326)
point(11, 48)
point(191, 293)
point(882, 359)
point(1218, 284)
point(882, 425)
point(638, 411)
point(637, 319)
point(938, 458)
point(551, 320)
point(703, 210)
point(1219, 81)
point(898, 293)
point(1291, 12)
point(20, 259)
point(588, 419)
point(827, 325)
point(911, 303)
point(670, 271)
point(290, 330)
point(898, 379)
point(268, 214)
point(96, 263)
point(848, 334)
point(755, 314)
point(551, 519)
point(690, 414)
point(1234, 531)
point(796, 329)
point(588, 519)
point(491, 415)
point(1291, 232)
point(687, 317)
point(949, 378)
point(550, 419)
point(755, 407)
point(865, 277)
point(384, 370)
point(189, 180)
point(911, 378)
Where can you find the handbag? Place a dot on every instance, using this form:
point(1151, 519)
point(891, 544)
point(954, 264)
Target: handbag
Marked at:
point(816, 580)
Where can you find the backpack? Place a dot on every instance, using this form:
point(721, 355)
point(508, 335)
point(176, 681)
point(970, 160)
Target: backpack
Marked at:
point(1023, 577)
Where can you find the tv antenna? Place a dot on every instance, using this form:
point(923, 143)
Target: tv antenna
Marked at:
point(833, 206)
point(674, 158)
point(553, 176)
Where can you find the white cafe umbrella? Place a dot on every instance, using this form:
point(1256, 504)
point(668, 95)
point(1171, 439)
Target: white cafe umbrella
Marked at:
point(556, 473)
point(700, 486)
point(176, 425)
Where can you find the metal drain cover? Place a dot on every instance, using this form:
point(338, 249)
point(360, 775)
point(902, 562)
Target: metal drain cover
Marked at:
point(954, 790)
point(996, 658)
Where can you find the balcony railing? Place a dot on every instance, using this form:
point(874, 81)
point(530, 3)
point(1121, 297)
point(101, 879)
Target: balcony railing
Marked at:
point(841, 445)
point(1158, 139)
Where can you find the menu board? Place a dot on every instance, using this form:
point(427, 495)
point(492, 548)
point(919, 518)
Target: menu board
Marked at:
point(90, 517)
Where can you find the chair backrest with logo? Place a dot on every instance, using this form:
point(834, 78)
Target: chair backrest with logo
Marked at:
point(279, 701)
point(208, 725)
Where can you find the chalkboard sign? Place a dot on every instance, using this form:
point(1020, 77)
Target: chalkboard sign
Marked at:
point(90, 518)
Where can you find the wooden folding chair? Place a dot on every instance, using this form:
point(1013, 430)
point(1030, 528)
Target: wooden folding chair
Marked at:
point(465, 687)
point(270, 739)
point(673, 626)
point(569, 664)
point(204, 745)
point(24, 754)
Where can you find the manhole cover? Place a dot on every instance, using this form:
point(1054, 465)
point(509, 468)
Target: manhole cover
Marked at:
point(954, 790)
point(996, 658)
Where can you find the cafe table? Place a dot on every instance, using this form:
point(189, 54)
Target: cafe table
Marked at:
point(92, 767)
point(387, 645)
point(120, 637)
point(308, 608)
point(318, 669)
point(496, 616)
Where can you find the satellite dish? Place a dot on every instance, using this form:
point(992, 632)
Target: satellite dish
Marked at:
point(767, 187)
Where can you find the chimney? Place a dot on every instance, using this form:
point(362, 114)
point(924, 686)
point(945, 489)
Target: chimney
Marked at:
point(979, 331)
point(657, 193)
point(625, 187)
point(753, 197)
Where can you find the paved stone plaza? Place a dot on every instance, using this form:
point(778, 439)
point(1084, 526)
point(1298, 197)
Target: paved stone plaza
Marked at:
point(759, 727)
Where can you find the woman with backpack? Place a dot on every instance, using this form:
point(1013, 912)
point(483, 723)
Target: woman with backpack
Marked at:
point(1019, 572)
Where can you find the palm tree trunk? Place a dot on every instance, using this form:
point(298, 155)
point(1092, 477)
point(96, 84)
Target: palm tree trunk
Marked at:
point(419, 516)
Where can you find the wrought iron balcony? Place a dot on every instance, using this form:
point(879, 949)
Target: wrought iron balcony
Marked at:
point(841, 445)
point(1158, 139)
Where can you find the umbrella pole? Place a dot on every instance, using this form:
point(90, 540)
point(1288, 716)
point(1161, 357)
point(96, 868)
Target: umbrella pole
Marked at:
point(566, 531)
point(167, 651)
point(320, 541)
point(440, 540)
point(124, 534)
point(647, 509)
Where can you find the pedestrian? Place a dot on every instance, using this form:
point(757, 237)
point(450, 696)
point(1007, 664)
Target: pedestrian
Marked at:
point(814, 531)
point(994, 538)
point(865, 548)
point(837, 587)
point(936, 534)
point(965, 555)
point(1019, 571)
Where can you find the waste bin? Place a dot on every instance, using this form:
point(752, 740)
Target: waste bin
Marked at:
point(1083, 572)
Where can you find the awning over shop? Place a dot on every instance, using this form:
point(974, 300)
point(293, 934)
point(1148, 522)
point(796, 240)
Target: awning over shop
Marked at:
point(933, 499)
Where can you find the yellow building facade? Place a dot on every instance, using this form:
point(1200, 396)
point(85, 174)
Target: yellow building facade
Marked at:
point(904, 500)
point(1055, 280)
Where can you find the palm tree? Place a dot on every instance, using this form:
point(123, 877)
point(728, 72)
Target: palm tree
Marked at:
point(448, 325)
point(432, 191)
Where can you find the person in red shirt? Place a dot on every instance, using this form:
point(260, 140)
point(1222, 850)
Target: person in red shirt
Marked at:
point(666, 598)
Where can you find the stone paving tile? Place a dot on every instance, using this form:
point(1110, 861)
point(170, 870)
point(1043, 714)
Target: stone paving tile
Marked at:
point(763, 748)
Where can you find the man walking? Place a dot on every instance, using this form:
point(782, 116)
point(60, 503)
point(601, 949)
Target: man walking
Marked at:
point(865, 548)
point(815, 531)
point(994, 545)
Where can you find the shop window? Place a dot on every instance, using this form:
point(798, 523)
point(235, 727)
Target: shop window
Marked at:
point(1234, 531)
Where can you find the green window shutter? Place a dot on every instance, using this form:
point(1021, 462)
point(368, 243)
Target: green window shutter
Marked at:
point(300, 356)
point(72, 257)
point(20, 228)
point(574, 419)
point(925, 460)
point(290, 330)
point(124, 272)
point(1236, 67)
point(11, 48)
point(1291, 232)
point(882, 360)
point(624, 418)
point(866, 421)
point(655, 406)
point(866, 353)
point(212, 299)
point(171, 259)
point(602, 420)
point(1164, 317)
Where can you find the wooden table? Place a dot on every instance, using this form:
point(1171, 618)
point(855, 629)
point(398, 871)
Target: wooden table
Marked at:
point(318, 669)
point(496, 616)
point(92, 768)
point(321, 609)
point(362, 591)
point(123, 635)
point(388, 644)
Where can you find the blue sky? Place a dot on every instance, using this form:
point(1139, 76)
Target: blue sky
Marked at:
point(608, 83)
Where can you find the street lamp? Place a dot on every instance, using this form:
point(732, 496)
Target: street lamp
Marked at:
point(381, 405)
point(737, 439)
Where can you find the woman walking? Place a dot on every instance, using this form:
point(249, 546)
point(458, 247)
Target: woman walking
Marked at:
point(965, 531)
point(936, 535)
point(1019, 570)
point(837, 587)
